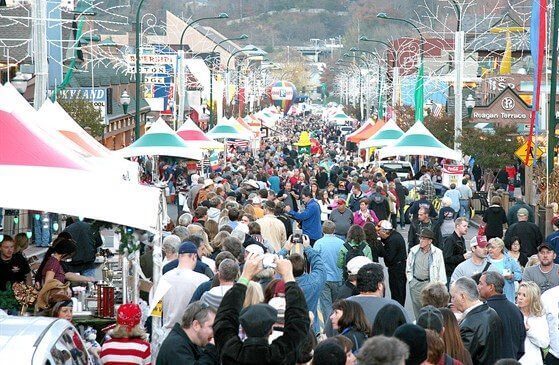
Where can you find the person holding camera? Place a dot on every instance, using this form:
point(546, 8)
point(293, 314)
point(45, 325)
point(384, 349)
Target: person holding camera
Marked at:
point(257, 321)
point(310, 217)
point(311, 283)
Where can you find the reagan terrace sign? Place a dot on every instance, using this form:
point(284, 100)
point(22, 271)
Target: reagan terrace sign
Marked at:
point(506, 109)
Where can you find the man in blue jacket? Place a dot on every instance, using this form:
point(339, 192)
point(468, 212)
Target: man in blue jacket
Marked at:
point(310, 217)
point(311, 283)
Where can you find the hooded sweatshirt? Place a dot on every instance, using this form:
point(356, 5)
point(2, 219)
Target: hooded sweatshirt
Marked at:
point(214, 296)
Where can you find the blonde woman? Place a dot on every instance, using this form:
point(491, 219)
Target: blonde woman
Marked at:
point(537, 331)
point(504, 265)
point(254, 294)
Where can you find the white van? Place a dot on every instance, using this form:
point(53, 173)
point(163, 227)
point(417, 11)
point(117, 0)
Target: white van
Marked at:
point(403, 169)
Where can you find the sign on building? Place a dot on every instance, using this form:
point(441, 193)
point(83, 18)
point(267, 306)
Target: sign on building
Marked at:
point(506, 109)
point(97, 96)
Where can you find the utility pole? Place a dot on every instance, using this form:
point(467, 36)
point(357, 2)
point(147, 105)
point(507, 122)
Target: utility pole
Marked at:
point(458, 79)
point(39, 15)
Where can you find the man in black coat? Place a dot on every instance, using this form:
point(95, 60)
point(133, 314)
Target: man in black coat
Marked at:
point(402, 192)
point(490, 289)
point(257, 321)
point(454, 247)
point(394, 252)
point(423, 221)
point(528, 233)
point(189, 342)
point(481, 329)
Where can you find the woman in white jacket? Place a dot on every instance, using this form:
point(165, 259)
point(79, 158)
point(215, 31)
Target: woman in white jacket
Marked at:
point(325, 204)
point(537, 332)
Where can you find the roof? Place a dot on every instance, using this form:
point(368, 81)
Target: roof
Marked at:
point(216, 37)
point(16, 34)
point(104, 75)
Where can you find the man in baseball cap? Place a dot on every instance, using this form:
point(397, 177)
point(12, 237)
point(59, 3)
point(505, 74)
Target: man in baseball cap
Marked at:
point(476, 262)
point(353, 266)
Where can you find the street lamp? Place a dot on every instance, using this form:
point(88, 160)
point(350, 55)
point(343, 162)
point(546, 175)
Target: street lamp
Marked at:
point(389, 48)
point(470, 104)
point(379, 89)
point(212, 62)
point(125, 101)
point(182, 83)
point(20, 82)
point(418, 95)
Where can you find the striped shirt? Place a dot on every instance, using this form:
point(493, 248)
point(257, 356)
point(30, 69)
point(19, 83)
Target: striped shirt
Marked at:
point(126, 351)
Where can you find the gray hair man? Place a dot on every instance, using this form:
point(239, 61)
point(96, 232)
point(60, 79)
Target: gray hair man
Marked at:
point(481, 328)
point(490, 287)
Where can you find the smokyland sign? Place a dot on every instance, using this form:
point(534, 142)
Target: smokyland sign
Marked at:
point(506, 108)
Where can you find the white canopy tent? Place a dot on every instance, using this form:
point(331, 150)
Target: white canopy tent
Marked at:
point(41, 175)
point(419, 141)
point(161, 140)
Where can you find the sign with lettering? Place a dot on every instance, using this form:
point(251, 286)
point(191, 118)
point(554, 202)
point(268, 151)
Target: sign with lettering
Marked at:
point(97, 96)
point(506, 109)
point(153, 59)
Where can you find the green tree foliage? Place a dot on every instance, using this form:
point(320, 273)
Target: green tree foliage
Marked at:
point(491, 151)
point(85, 114)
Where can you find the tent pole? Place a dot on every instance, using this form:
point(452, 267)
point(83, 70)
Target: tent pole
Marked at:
point(157, 267)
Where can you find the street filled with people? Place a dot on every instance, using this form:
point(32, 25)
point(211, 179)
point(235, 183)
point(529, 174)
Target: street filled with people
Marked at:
point(284, 256)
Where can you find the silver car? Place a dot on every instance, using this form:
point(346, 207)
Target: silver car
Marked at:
point(40, 341)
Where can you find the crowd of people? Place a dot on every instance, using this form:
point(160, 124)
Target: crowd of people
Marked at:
point(280, 258)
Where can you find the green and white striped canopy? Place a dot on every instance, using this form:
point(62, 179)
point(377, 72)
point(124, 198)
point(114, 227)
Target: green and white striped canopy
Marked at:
point(419, 141)
point(161, 140)
point(385, 136)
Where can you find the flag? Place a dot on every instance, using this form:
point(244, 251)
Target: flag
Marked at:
point(507, 57)
point(418, 94)
point(537, 44)
point(214, 161)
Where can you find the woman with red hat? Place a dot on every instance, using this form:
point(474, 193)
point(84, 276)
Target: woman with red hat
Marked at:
point(128, 343)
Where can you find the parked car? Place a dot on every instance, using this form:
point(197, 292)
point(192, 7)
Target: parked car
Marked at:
point(41, 341)
point(403, 169)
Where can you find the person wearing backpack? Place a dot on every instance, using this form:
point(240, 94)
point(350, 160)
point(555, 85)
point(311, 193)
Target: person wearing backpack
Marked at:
point(355, 245)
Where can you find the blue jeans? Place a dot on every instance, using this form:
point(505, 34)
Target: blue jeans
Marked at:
point(464, 209)
point(41, 229)
point(327, 296)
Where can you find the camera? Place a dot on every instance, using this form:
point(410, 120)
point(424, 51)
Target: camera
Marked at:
point(297, 236)
point(269, 261)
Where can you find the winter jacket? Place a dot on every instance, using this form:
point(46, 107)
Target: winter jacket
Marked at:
point(310, 220)
point(177, 348)
point(514, 268)
point(494, 217)
point(529, 235)
point(257, 351)
point(380, 205)
point(454, 248)
point(482, 333)
point(415, 229)
point(513, 326)
point(437, 272)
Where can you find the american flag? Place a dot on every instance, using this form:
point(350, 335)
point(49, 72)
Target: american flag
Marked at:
point(437, 110)
point(233, 144)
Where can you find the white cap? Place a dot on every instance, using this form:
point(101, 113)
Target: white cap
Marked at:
point(356, 263)
point(254, 249)
point(208, 182)
point(386, 225)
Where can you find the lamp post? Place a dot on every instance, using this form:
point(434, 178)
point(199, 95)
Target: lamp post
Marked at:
point(470, 104)
point(379, 81)
point(360, 82)
point(20, 82)
point(395, 69)
point(181, 82)
point(125, 101)
point(212, 63)
point(227, 71)
point(458, 75)
point(418, 94)
point(350, 65)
